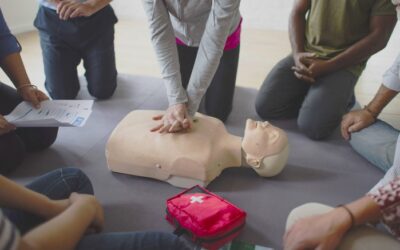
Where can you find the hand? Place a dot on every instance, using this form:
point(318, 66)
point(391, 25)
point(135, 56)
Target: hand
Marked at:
point(175, 119)
point(97, 224)
point(302, 61)
point(5, 126)
point(318, 232)
point(32, 95)
point(310, 68)
point(67, 9)
point(319, 67)
point(355, 121)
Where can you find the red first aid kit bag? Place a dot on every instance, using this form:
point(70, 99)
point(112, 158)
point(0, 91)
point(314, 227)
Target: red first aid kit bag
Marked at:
point(207, 219)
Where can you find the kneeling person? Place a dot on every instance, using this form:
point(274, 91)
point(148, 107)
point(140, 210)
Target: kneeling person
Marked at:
point(331, 43)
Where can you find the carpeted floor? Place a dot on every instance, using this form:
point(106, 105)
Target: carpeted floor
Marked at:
point(329, 172)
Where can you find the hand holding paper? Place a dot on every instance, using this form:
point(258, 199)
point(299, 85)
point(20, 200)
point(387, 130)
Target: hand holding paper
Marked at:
point(52, 113)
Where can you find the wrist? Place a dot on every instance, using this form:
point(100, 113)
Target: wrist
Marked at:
point(371, 111)
point(344, 218)
point(23, 87)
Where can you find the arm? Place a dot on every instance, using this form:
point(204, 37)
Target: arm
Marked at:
point(67, 9)
point(15, 196)
point(70, 220)
point(11, 63)
point(163, 39)
point(297, 29)
point(326, 231)
point(162, 35)
point(65, 230)
point(359, 119)
point(210, 50)
point(297, 25)
point(381, 28)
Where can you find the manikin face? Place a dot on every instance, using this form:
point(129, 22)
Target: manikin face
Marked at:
point(260, 140)
point(397, 3)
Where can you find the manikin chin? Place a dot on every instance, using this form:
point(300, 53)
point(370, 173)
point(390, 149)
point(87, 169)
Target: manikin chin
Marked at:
point(197, 156)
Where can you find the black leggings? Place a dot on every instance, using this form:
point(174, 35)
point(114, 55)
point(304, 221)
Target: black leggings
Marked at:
point(14, 145)
point(219, 96)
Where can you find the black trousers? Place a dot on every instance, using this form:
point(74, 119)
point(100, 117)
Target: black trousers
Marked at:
point(219, 96)
point(14, 145)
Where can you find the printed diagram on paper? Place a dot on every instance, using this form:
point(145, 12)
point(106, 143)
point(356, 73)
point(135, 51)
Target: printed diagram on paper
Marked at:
point(52, 113)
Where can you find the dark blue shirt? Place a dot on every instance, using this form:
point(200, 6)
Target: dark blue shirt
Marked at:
point(8, 42)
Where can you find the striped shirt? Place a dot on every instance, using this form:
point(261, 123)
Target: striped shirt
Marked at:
point(9, 235)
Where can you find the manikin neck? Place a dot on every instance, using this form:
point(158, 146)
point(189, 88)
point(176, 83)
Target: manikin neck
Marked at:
point(233, 146)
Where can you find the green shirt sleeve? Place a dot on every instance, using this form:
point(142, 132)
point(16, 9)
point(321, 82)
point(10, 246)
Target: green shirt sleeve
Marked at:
point(383, 8)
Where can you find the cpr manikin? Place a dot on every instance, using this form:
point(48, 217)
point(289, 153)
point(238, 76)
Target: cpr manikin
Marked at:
point(197, 156)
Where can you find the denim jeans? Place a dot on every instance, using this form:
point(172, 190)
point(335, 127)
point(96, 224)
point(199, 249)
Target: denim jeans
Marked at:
point(15, 144)
point(59, 184)
point(376, 143)
point(319, 107)
point(65, 43)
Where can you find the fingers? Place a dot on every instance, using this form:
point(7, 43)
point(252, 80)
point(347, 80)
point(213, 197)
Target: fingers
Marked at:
point(156, 128)
point(301, 69)
point(65, 9)
point(158, 117)
point(176, 126)
point(304, 77)
point(41, 96)
point(5, 126)
point(306, 60)
point(33, 99)
point(76, 13)
point(309, 54)
point(187, 123)
point(344, 128)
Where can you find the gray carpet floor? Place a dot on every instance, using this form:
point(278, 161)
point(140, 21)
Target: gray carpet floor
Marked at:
point(329, 172)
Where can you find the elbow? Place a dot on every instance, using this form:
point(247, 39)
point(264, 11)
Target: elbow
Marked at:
point(380, 43)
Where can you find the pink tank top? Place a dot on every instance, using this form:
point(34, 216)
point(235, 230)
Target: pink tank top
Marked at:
point(232, 41)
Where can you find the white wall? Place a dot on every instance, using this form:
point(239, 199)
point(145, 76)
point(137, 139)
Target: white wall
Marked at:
point(260, 14)
point(19, 14)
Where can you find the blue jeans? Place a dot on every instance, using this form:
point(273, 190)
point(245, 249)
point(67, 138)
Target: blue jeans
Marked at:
point(376, 143)
point(65, 43)
point(59, 184)
point(15, 144)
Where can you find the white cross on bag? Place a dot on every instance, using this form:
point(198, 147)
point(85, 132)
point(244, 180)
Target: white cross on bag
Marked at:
point(198, 199)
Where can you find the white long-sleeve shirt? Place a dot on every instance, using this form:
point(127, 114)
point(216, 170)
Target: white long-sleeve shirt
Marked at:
point(391, 80)
point(205, 24)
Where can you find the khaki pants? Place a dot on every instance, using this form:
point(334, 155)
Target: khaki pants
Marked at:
point(359, 238)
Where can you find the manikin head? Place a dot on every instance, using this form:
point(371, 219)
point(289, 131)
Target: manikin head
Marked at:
point(265, 147)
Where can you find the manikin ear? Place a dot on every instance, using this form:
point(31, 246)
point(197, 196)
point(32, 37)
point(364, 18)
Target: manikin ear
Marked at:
point(273, 137)
point(252, 162)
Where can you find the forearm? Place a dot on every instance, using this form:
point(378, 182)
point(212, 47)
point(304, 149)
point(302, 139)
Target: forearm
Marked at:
point(163, 40)
point(64, 231)
point(381, 99)
point(376, 40)
point(297, 27)
point(211, 49)
point(15, 196)
point(364, 210)
point(15, 70)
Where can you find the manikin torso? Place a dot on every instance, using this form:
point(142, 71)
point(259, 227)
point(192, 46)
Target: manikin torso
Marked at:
point(184, 159)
